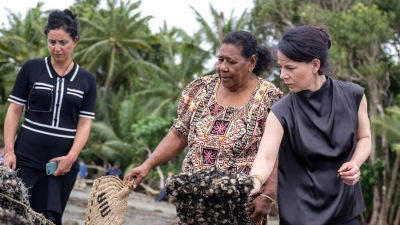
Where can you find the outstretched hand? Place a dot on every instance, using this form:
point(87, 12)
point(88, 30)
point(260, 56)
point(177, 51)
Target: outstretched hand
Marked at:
point(138, 174)
point(350, 173)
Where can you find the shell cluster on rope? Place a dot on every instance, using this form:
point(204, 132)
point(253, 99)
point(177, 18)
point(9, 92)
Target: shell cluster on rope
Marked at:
point(211, 196)
point(14, 203)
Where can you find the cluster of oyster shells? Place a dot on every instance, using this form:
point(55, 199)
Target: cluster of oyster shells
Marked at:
point(12, 186)
point(11, 217)
point(211, 196)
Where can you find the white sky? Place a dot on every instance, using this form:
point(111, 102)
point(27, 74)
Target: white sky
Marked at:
point(176, 12)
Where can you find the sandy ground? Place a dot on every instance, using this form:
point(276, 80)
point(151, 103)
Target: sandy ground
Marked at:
point(142, 209)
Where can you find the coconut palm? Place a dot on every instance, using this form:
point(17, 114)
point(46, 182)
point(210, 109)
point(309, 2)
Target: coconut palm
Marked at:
point(24, 39)
point(179, 60)
point(215, 32)
point(111, 38)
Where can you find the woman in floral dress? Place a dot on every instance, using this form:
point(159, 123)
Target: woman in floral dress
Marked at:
point(221, 117)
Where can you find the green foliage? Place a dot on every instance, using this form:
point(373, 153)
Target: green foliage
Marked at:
point(108, 43)
point(23, 40)
point(389, 126)
point(270, 18)
point(211, 32)
point(371, 176)
point(352, 32)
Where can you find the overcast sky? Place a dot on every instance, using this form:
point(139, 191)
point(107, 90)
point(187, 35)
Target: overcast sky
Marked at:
point(175, 12)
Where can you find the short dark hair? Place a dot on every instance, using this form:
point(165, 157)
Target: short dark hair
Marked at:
point(250, 47)
point(305, 43)
point(65, 20)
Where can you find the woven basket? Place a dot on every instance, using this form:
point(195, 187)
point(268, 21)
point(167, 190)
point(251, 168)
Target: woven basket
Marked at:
point(107, 202)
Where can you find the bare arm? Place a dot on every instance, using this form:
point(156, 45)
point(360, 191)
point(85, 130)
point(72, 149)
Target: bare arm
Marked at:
point(351, 174)
point(81, 137)
point(173, 143)
point(260, 207)
point(268, 152)
point(13, 116)
point(271, 185)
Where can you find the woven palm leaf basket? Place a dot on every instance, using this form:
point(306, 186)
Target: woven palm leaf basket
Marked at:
point(107, 202)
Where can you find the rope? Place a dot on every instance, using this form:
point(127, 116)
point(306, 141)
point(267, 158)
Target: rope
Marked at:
point(36, 216)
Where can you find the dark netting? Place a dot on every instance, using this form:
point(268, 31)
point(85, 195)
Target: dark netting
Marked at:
point(14, 203)
point(211, 196)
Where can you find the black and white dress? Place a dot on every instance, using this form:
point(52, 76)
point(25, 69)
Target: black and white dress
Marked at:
point(53, 106)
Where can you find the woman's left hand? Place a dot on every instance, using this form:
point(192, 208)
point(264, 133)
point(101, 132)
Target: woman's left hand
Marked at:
point(259, 208)
point(64, 165)
point(350, 173)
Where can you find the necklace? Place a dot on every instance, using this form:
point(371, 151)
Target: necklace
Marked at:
point(66, 68)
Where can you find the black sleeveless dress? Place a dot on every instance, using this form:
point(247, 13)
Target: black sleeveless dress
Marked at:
point(320, 134)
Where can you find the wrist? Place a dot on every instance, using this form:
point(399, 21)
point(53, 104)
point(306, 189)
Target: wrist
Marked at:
point(147, 165)
point(270, 199)
point(258, 178)
point(6, 153)
point(72, 157)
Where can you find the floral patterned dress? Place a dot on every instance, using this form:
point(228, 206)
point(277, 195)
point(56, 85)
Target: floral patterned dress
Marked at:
point(221, 136)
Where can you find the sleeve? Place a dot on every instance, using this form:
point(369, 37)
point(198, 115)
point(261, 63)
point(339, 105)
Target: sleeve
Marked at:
point(20, 91)
point(274, 94)
point(358, 94)
point(89, 102)
point(281, 109)
point(187, 105)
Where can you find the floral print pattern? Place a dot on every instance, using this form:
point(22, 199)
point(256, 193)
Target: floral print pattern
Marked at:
point(225, 137)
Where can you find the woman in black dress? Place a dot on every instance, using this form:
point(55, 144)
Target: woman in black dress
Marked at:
point(59, 97)
point(321, 133)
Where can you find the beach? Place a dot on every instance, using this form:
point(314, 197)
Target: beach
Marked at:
point(142, 209)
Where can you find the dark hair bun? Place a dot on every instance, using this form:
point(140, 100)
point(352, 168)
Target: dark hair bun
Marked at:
point(69, 13)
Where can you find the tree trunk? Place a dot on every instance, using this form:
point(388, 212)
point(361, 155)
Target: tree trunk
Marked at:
point(372, 157)
point(391, 202)
point(220, 30)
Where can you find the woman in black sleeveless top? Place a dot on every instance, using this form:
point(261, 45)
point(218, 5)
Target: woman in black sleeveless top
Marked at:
point(321, 133)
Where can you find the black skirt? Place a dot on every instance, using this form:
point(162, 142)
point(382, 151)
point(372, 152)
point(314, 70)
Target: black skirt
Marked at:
point(33, 151)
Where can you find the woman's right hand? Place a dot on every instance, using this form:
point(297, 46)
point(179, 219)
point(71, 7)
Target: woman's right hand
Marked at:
point(10, 160)
point(138, 174)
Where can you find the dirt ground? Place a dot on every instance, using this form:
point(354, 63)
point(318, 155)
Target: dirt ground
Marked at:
point(142, 209)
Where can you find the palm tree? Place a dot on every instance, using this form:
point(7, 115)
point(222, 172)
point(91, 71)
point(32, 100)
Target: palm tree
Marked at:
point(22, 41)
point(179, 60)
point(215, 32)
point(112, 38)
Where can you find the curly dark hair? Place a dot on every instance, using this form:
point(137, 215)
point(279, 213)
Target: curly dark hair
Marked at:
point(65, 20)
point(250, 47)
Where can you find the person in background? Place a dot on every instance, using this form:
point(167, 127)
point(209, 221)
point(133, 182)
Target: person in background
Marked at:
point(83, 170)
point(59, 99)
point(163, 190)
point(115, 170)
point(321, 133)
point(221, 118)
